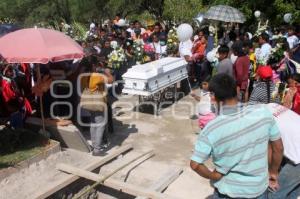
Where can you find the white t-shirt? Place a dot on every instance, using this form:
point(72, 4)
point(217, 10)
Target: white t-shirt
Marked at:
point(288, 123)
point(185, 48)
point(130, 30)
point(159, 49)
point(264, 52)
point(293, 41)
point(204, 106)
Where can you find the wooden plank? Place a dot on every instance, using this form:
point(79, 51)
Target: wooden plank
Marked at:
point(147, 155)
point(118, 185)
point(164, 181)
point(72, 178)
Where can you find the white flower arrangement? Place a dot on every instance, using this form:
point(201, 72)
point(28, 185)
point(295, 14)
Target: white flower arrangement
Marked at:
point(172, 42)
point(138, 49)
point(116, 58)
point(261, 28)
point(114, 45)
point(278, 52)
point(276, 37)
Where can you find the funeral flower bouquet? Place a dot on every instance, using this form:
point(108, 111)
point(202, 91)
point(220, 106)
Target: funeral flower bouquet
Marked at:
point(261, 60)
point(261, 28)
point(117, 57)
point(173, 42)
point(277, 53)
point(138, 51)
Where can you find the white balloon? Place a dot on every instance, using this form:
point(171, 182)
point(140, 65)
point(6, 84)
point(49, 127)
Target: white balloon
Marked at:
point(257, 13)
point(184, 32)
point(121, 23)
point(287, 17)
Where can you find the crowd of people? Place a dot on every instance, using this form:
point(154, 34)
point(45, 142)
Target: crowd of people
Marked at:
point(231, 67)
point(240, 132)
point(261, 76)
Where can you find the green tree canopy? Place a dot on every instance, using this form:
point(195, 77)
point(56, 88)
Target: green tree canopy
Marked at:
point(30, 12)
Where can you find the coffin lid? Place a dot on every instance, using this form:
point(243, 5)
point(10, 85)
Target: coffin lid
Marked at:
point(155, 68)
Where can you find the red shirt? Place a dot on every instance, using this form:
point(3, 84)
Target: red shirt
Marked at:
point(7, 91)
point(241, 71)
point(198, 50)
point(8, 94)
point(296, 102)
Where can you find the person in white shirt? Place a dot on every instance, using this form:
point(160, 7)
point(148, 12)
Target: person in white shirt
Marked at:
point(137, 28)
point(130, 29)
point(292, 39)
point(263, 54)
point(289, 178)
point(159, 49)
point(185, 49)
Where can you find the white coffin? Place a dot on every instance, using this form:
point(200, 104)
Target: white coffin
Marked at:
point(152, 77)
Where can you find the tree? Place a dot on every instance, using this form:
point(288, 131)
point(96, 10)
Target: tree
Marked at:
point(182, 11)
point(30, 12)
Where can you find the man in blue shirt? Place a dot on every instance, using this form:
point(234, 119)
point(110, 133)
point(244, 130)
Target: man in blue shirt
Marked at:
point(237, 141)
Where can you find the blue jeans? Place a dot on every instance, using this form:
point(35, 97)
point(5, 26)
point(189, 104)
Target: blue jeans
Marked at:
point(218, 195)
point(98, 123)
point(289, 182)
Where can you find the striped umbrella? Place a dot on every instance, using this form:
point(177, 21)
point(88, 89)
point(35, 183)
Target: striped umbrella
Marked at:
point(225, 13)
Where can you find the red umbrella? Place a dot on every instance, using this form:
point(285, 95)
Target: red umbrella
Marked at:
point(40, 46)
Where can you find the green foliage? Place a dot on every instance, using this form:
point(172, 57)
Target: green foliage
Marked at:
point(31, 12)
point(283, 7)
point(19, 145)
point(182, 11)
point(12, 140)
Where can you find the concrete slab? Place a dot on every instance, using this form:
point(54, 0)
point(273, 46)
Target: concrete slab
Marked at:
point(69, 136)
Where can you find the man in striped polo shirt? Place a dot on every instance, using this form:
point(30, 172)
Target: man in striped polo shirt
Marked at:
point(237, 140)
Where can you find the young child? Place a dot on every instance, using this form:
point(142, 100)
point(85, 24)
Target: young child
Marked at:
point(204, 107)
point(296, 98)
point(290, 92)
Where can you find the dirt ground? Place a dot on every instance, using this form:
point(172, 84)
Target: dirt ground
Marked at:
point(171, 135)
